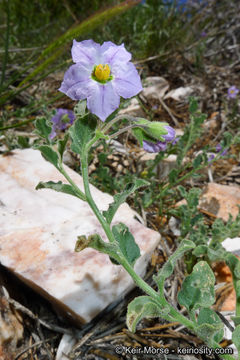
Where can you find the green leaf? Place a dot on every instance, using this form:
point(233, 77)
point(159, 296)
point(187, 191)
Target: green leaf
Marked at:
point(236, 320)
point(173, 176)
point(49, 154)
point(197, 161)
point(198, 287)
point(60, 187)
point(168, 267)
point(120, 198)
point(144, 307)
point(236, 338)
point(61, 144)
point(126, 242)
point(208, 332)
point(81, 132)
point(200, 250)
point(208, 316)
point(95, 242)
point(42, 128)
point(23, 142)
point(193, 105)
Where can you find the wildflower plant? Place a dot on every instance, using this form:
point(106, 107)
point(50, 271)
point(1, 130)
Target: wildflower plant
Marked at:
point(100, 76)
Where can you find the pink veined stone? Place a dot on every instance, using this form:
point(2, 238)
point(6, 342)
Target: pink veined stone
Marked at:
point(38, 231)
point(220, 200)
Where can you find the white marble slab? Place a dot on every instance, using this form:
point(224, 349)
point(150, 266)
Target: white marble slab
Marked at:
point(38, 231)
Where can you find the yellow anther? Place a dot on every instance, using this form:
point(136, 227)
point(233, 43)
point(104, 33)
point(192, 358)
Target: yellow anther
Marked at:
point(102, 72)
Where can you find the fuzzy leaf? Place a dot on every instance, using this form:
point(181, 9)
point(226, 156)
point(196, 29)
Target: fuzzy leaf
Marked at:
point(49, 154)
point(59, 187)
point(207, 332)
point(236, 338)
point(198, 287)
point(95, 242)
point(126, 242)
point(143, 307)
point(61, 144)
point(208, 316)
point(193, 105)
point(81, 132)
point(42, 128)
point(168, 267)
point(120, 198)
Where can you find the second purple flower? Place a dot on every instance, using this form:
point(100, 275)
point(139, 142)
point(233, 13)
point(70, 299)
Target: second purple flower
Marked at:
point(61, 120)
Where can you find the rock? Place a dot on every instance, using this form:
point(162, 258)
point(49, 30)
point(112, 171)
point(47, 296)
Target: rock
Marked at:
point(155, 87)
point(220, 200)
point(180, 93)
point(39, 230)
point(133, 109)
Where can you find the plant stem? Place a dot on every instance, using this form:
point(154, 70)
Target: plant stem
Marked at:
point(174, 314)
point(89, 198)
point(78, 192)
point(116, 119)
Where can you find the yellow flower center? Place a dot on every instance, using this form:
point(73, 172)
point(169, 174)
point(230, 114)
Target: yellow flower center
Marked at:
point(102, 72)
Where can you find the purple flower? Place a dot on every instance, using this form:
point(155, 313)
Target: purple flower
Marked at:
point(232, 92)
point(203, 34)
point(211, 157)
point(61, 120)
point(101, 74)
point(176, 140)
point(219, 148)
point(160, 145)
point(154, 148)
point(170, 135)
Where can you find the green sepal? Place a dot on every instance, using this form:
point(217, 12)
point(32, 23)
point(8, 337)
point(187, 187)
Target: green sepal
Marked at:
point(60, 187)
point(198, 288)
point(126, 242)
point(144, 307)
point(43, 129)
point(209, 317)
point(81, 132)
point(138, 133)
point(168, 267)
point(151, 131)
point(121, 197)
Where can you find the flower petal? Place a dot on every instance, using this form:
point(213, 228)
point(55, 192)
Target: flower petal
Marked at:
point(102, 99)
point(75, 82)
point(112, 54)
point(154, 148)
point(85, 53)
point(170, 135)
point(126, 81)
